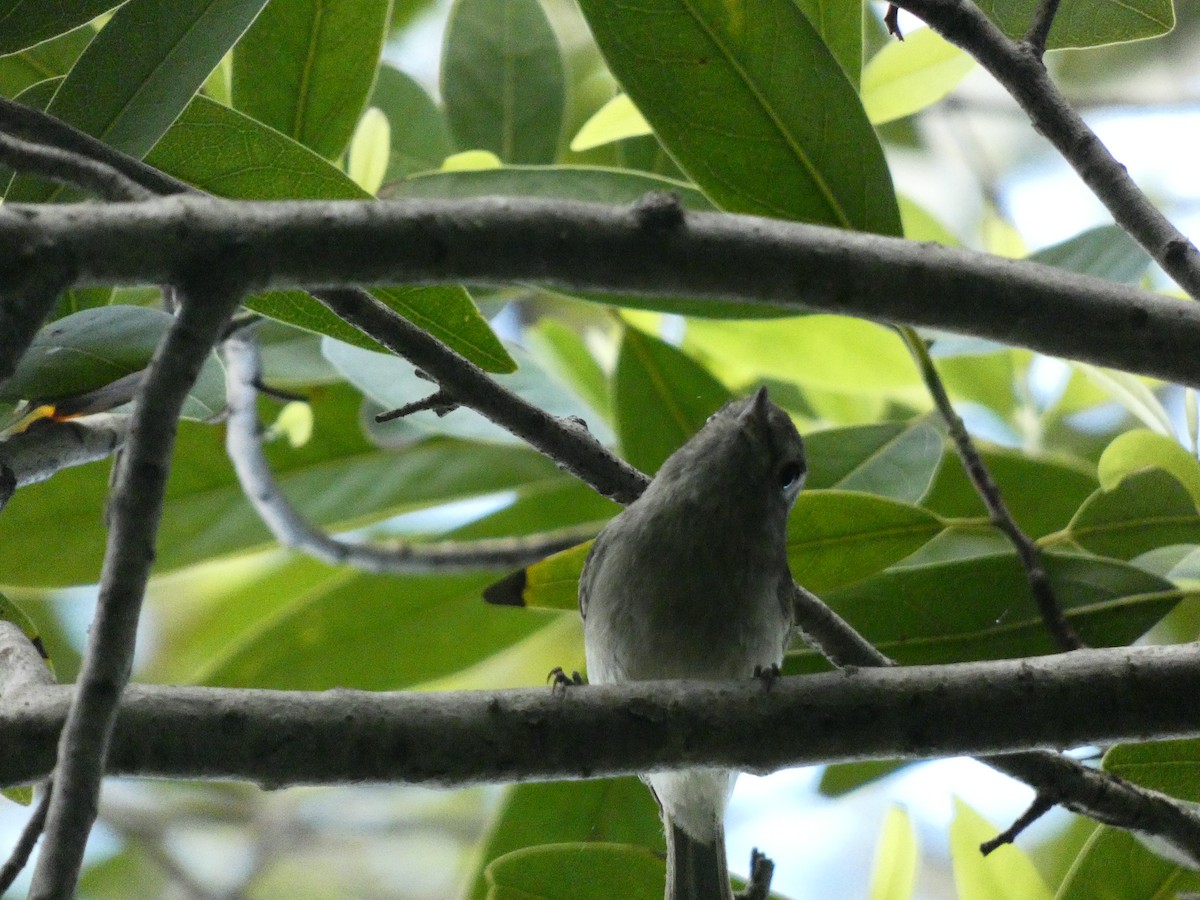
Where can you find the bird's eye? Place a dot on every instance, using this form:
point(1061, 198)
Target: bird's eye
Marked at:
point(789, 474)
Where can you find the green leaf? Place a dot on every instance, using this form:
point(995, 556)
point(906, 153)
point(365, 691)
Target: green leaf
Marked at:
point(1148, 509)
point(1106, 252)
point(140, 71)
point(49, 59)
point(1141, 449)
point(370, 148)
point(838, 538)
point(591, 184)
point(562, 352)
point(52, 533)
point(577, 872)
point(392, 382)
point(835, 353)
point(904, 78)
point(1042, 493)
point(24, 23)
point(1086, 23)
point(503, 80)
point(85, 351)
point(840, 26)
point(919, 614)
point(846, 777)
point(1004, 874)
point(613, 810)
point(306, 68)
point(1113, 865)
point(894, 873)
point(1172, 767)
point(244, 159)
point(11, 612)
point(890, 459)
point(1132, 392)
point(661, 398)
point(420, 135)
point(614, 121)
point(730, 87)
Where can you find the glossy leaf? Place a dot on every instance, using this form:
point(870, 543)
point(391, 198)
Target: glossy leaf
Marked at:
point(837, 538)
point(138, 74)
point(1140, 449)
point(306, 68)
point(1115, 866)
point(920, 614)
point(904, 78)
point(503, 80)
point(53, 534)
point(661, 398)
point(420, 135)
point(894, 873)
point(840, 26)
point(244, 159)
point(1042, 493)
point(1172, 767)
point(890, 459)
point(616, 810)
point(577, 872)
point(1106, 252)
point(392, 382)
point(1004, 874)
point(85, 351)
point(736, 113)
point(1148, 509)
point(49, 59)
point(24, 23)
point(1087, 23)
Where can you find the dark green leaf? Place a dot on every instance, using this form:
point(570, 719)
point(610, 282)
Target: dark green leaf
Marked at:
point(1148, 509)
point(420, 134)
point(981, 608)
point(306, 67)
point(840, 26)
point(46, 60)
point(1172, 767)
point(1041, 493)
point(736, 109)
point(842, 779)
point(85, 351)
point(661, 397)
point(1086, 23)
point(577, 872)
point(139, 73)
point(503, 80)
point(1106, 252)
point(244, 159)
point(618, 810)
point(24, 23)
point(1114, 866)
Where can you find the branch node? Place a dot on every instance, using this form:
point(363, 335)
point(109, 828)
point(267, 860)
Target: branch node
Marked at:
point(439, 401)
point(659, 210)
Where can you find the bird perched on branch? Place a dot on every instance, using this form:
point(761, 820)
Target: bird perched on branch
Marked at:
point(692, 581)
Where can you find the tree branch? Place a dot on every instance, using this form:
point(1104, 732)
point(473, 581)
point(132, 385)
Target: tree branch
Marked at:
point(243, 442)
point(134, 511)
point(987, 489)
point(1018, 67)
point(281, 738)
point(587, 247)
point(47, 447)
point(67, 167)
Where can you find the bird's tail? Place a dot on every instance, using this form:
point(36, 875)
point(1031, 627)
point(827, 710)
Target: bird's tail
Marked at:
point(696, 870)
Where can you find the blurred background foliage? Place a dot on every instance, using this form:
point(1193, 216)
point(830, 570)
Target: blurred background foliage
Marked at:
point(800, 109)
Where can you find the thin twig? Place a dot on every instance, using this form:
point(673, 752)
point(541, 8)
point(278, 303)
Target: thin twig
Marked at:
point(439, 401)
point(134, 511)
point(977, 471)
point(1039, 29)
point(1018, 67)
point(23, 849)
point(1039, 807)
point(243, 442)
point(70, 168)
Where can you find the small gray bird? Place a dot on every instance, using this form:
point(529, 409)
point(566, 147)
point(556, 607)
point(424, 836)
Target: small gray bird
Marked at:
point(692, 581)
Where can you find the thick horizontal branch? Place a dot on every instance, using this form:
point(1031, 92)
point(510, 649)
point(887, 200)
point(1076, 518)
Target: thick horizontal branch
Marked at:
point(282, 738)
point(586, 247)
